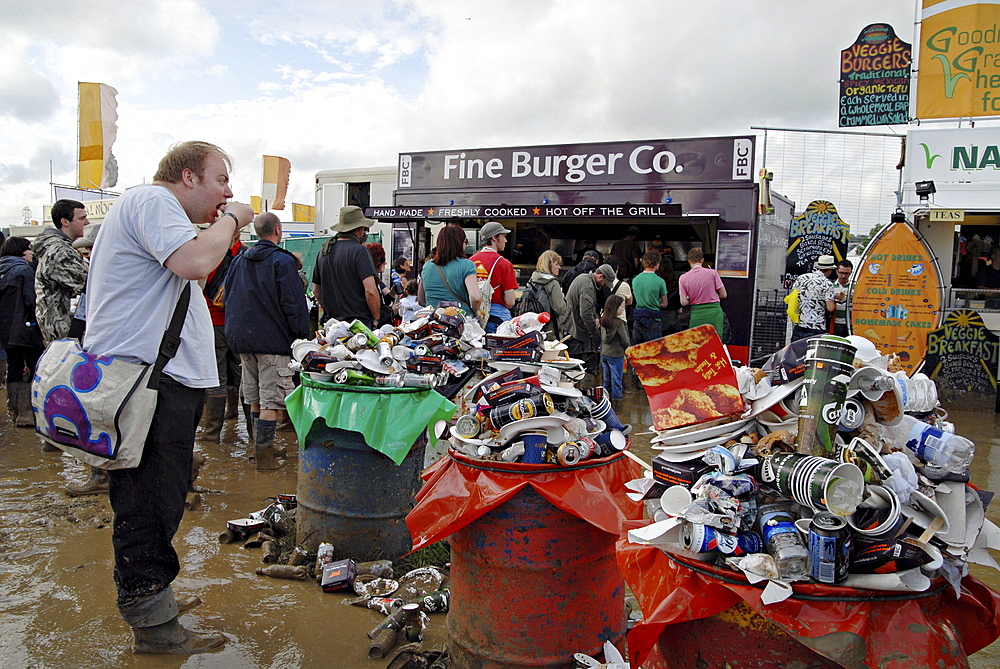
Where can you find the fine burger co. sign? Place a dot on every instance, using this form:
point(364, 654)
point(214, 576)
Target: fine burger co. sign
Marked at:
point(674, 161)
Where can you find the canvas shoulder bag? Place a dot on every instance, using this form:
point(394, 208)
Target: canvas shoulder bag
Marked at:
point(97, 408)
point(486, 296)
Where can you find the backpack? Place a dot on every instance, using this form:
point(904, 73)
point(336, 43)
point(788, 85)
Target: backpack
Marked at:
point(486, 296)
point(533, 299)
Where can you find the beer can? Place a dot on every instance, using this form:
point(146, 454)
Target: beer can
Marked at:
point(383, 350)
point(359, 328)
point(509, 413)
point(468, 426)
point(391, 338)
point(565, 454)
point(356, 343)
point(421, 349)
point(587, 447)
point(353, 377)
point(829, 548)
point(389, 380)
point(437, 602)
point(705, 539)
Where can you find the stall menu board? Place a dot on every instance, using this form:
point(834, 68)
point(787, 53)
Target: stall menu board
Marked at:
point(817, 231)
point(687, 377)
point(962, 357)
point(875, 78)
point(896, 297)
point(732, 253)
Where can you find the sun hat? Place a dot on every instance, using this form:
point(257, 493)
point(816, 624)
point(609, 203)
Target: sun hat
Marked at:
point(825, 262)
point(491, 230)
point(352, 218)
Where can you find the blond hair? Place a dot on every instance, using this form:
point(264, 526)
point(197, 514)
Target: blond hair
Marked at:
point(188, 156)
point(545, 261)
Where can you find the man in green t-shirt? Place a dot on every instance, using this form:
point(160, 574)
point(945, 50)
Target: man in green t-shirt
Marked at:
point(650, 292)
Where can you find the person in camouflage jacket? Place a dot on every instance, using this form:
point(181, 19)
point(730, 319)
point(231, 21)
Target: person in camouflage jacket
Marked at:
point(61, 273)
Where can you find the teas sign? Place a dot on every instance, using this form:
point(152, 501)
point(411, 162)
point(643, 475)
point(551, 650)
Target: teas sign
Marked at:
point(896, 298)
point(962, 357)
point(875, 78)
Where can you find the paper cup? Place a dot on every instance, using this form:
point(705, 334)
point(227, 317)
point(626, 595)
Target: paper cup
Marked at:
point(602, 411)
point(878, 517)
point(535, 443)
point(829, 367)
point(815, 482)
point(611, 441)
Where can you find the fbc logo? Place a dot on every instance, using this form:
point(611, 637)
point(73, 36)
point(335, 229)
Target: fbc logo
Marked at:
point(405, 170)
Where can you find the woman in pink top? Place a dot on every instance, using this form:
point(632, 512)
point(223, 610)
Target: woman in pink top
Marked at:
point(702, 288)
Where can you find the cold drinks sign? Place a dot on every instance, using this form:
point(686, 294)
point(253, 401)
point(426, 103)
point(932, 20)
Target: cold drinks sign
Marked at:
point(675, 161)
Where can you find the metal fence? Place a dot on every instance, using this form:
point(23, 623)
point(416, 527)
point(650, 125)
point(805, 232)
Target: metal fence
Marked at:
point(770, 325)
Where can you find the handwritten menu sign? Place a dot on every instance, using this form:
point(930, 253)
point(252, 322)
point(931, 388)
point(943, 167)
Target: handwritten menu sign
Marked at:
point(962, 357)
point(687, 377)
point(875, 78)
point(896, 299)
point(817, 231)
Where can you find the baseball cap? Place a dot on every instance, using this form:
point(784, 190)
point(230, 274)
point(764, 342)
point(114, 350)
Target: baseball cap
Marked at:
point(608, 273)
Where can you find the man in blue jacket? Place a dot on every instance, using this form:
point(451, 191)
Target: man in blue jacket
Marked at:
point(265, 312)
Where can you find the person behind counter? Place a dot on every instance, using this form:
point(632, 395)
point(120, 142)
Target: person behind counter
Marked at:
point(701, 289)
point(989, 276)
point(449, 275)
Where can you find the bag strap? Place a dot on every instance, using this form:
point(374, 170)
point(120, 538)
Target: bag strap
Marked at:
point(172, 337)
point(447, 285)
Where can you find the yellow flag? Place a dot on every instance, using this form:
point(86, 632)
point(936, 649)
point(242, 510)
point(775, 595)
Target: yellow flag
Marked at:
point(255, 203)
point(96, 167)
point(303, 213)
point(275, 181)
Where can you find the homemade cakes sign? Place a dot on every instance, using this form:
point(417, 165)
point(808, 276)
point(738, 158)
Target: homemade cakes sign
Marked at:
point(688, 378)
point(896, 298)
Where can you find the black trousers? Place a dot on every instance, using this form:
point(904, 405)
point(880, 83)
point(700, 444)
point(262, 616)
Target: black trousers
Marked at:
point(19, 357)
point(148, 502)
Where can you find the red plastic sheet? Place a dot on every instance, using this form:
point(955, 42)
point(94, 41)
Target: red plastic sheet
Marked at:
point(459, 489)
point(933, 629)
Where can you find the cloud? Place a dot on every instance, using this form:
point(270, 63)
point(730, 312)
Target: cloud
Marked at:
point(25, 94)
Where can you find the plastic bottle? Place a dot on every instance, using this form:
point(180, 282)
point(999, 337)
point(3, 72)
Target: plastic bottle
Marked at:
point(523, 324)
point(919, 392)
point(784, 542)
point(944, 449)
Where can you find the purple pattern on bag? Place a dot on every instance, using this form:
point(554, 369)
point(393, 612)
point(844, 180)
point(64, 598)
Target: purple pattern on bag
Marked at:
point(62, 406)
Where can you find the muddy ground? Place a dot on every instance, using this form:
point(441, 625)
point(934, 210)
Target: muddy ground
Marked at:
point(57, 595)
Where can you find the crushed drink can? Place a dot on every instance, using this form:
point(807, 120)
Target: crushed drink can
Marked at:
point(384, 353)
point(437, 602)
point(356, 343)
point(705, 539)
point(353, 377)
point(359, 328)
point(565, 454)
point(468, 426)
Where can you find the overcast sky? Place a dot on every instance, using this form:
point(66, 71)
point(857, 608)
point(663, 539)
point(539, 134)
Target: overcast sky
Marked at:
point(342, 83)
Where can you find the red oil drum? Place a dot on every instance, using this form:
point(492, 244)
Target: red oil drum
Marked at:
point(740, 638)
point(530, 586)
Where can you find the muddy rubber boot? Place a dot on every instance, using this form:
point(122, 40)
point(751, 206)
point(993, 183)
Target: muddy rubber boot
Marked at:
point(215, 412)
point(97, 484)
point(248, 417)
point(232, 403)
point(19, 403)
point(171, 638)
point(265, 457)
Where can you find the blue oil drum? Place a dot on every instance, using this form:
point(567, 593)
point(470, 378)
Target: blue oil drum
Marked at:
point(354, 497)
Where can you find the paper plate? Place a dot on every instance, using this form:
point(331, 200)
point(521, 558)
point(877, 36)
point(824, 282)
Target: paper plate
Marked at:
point(672, 438)
point(547, 423)
point(467, 440)
point(302, 346)
point(340, 364)
point(320, 376)
point(681, 457)
point(529, 368)
point(370, 361)
point(693, 446)
point(562, 392)
point(926, 511)
point(777, 394)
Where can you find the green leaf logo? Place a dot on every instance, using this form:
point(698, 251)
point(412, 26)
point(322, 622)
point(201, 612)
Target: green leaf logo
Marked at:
point(928, 157)
point(950, 81)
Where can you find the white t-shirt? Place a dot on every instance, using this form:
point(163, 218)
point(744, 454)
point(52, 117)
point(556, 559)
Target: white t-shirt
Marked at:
point(131, 295)
point(625, 291)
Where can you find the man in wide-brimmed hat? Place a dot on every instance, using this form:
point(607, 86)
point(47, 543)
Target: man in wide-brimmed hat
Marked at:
point(812, 289)
point(344, 277)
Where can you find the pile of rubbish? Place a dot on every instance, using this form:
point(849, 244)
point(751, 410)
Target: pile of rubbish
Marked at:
point(431, 351)
point(530, 409)
point(841, 470)
point(405, 601)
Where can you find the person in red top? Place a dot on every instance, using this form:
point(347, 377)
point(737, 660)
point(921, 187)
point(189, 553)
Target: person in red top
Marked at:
point(489, 263)
point(230, 372)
